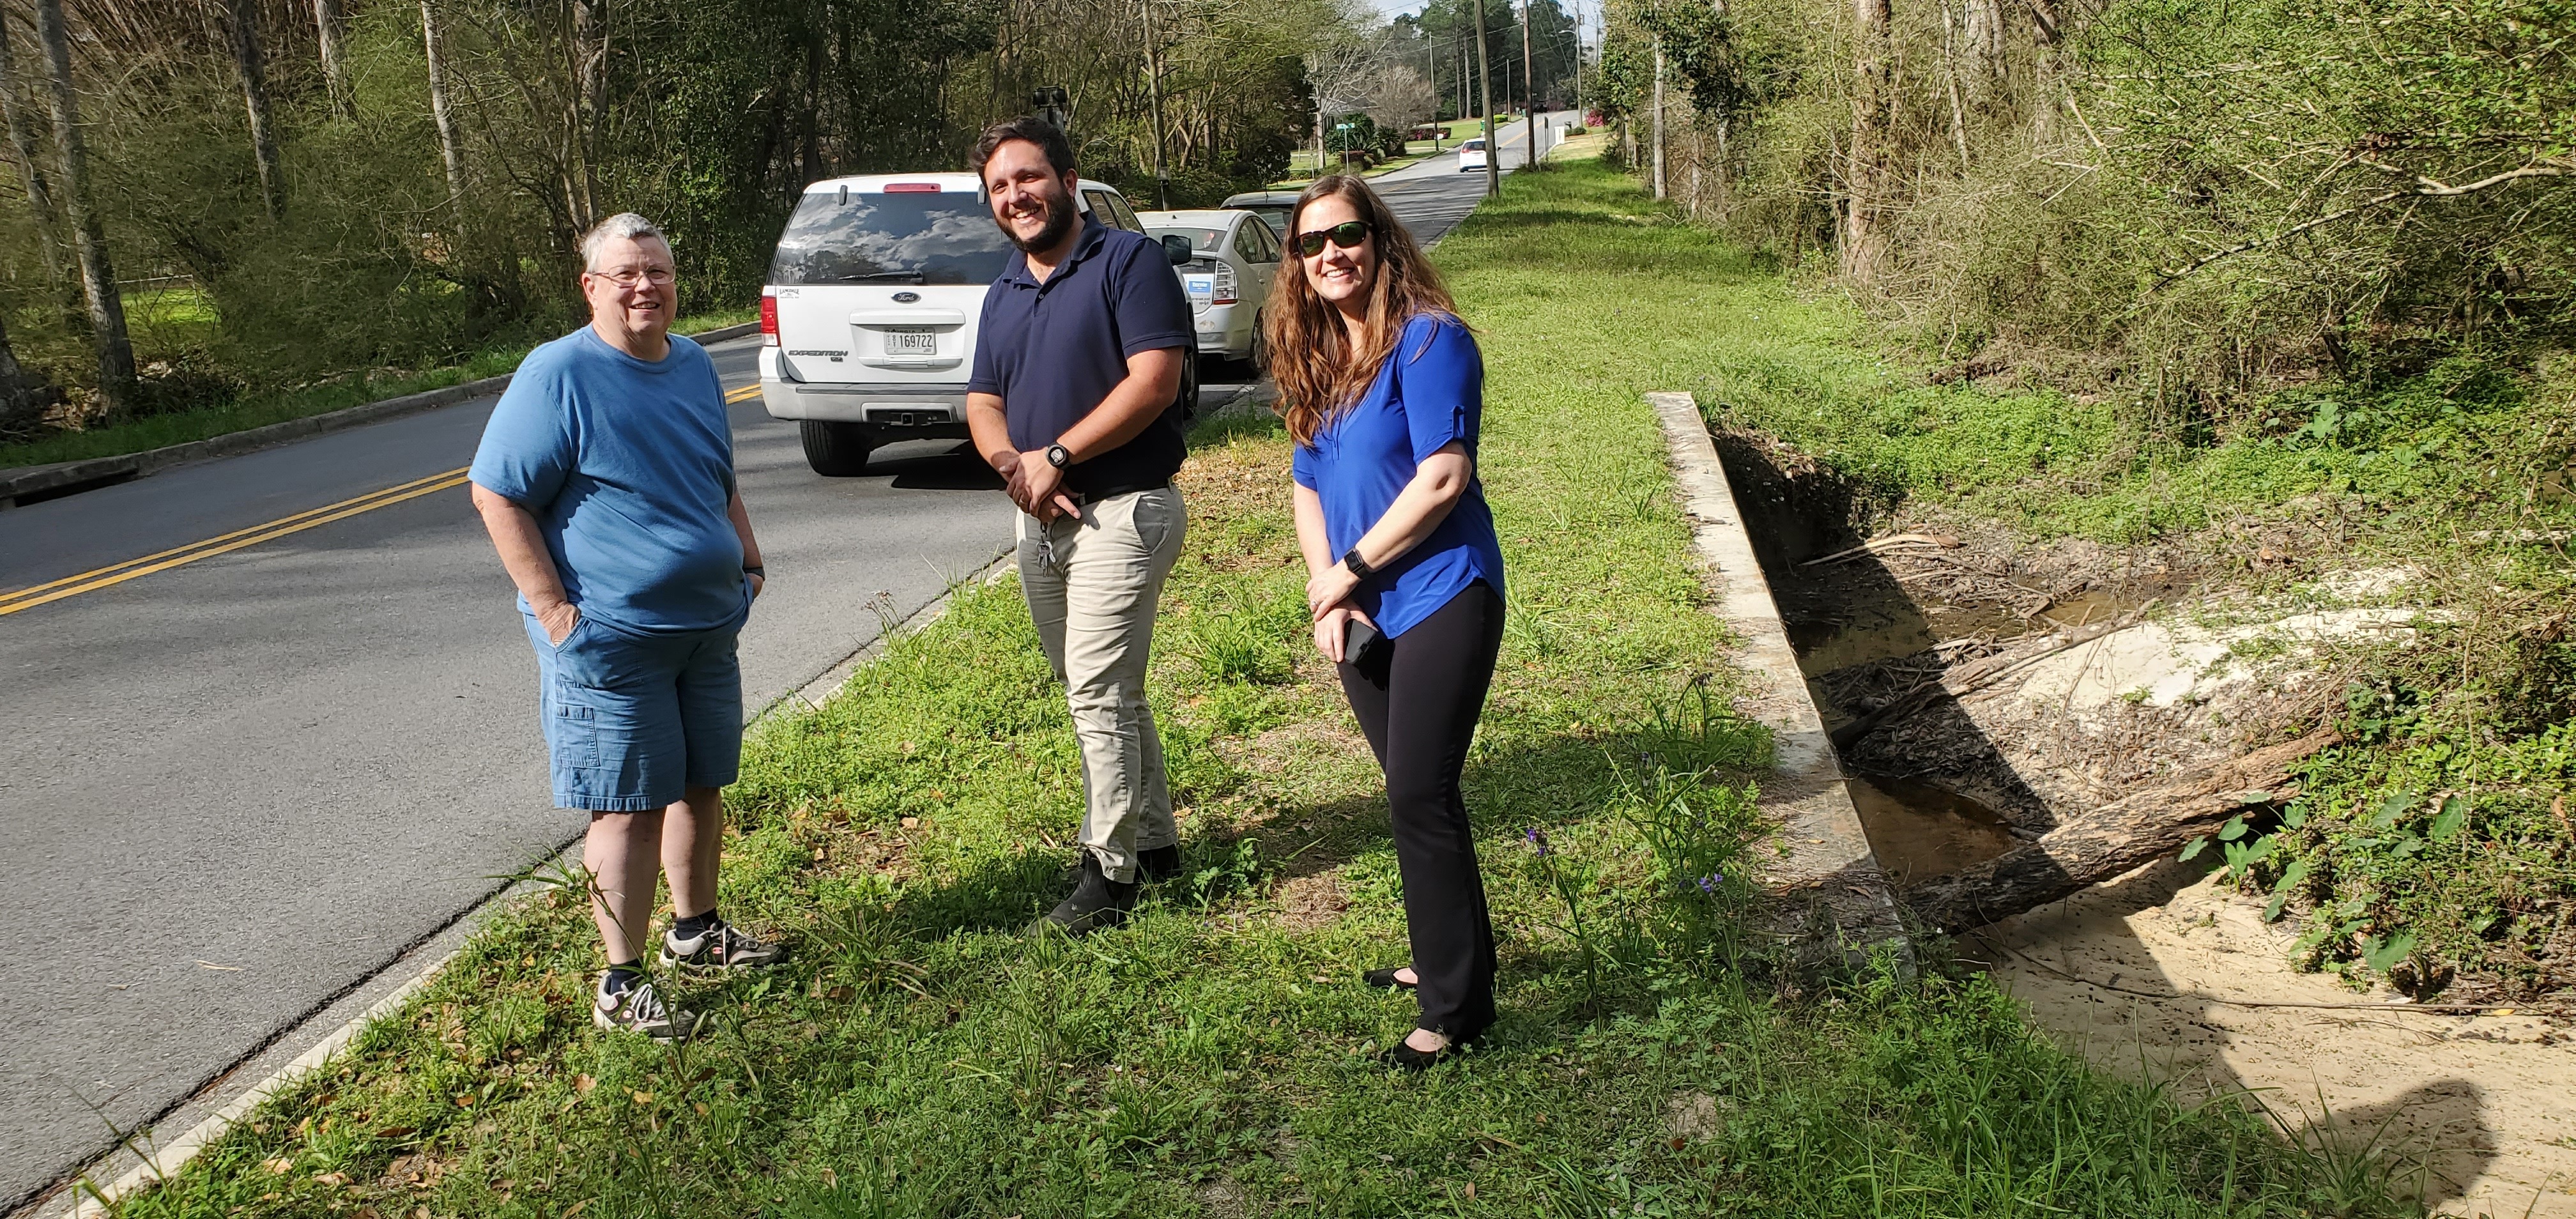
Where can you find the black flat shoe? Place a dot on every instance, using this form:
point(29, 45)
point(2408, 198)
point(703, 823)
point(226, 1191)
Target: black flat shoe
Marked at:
point(1403, 1057)
point(1382, 979)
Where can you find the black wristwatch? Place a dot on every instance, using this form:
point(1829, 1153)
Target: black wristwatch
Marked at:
point(1059, 456)
point(1359, 566)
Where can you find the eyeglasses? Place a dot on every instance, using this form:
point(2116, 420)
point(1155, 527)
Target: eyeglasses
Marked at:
point(1346, 234)
point(659, 277)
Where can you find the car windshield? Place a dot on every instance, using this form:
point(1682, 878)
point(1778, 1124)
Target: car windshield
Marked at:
point(1199, 238)
point(1474, 146)
point(943, 238)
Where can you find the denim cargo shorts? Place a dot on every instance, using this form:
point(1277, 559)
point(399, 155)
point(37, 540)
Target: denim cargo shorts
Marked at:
point(632, 719)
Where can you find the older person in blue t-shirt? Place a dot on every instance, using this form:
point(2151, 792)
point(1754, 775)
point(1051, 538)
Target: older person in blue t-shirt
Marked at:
point(1383, 391)
point(606, 479)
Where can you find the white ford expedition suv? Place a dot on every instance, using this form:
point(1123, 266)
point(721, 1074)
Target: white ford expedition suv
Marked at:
point(868, 321)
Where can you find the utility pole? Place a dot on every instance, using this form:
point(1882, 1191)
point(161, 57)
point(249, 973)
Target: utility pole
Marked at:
point(1466, 102)
point(1154, 89)
point(1485, 86)
point(1529, 85)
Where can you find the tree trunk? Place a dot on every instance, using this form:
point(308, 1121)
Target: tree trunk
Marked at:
point(1873, 123)
point(1950, 73)
point(98, 273)
point(329, 23)
point(590, 60)
point(2119, 836)
point(31, 172)
point(254, 84)
point(448, 151)
point(1983, 26)
point(809, 134)
point(1657, 149)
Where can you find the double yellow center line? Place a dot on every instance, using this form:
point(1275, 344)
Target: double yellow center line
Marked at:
point(119, 573)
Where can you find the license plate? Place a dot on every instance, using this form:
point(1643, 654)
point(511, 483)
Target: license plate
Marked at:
point(912, 341)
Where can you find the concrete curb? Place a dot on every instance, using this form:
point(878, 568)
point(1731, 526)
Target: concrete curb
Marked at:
point(145, 1161)
point(33, 483)
point(1835, 905)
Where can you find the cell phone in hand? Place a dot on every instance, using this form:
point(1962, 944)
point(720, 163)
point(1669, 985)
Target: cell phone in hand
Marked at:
point(1360, 641)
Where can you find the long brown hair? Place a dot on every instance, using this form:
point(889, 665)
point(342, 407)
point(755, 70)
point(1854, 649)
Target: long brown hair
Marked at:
point(1318, 372)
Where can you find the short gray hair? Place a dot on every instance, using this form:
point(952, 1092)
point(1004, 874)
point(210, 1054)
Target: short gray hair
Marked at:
point(624, 226)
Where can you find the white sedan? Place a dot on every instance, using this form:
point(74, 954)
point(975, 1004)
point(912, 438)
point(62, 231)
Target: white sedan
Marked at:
point(1233, 255)
point(1471, 155)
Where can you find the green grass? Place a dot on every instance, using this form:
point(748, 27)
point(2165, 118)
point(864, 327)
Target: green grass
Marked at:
point(170, 312)
point(920, 1056)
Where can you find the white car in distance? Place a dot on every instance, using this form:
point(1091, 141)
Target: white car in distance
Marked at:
point(868, 320)
point(1471, 155)
point(1233, 257)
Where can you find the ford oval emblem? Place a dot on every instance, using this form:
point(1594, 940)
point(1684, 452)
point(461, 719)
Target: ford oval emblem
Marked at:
point(906, 298)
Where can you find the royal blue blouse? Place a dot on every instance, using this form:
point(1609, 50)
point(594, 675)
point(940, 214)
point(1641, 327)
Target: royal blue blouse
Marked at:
point(1430, 392)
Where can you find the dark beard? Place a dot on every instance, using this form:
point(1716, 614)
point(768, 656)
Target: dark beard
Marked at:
point(1061, 217)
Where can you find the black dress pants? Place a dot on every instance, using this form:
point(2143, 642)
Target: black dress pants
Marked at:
point(1418, 700)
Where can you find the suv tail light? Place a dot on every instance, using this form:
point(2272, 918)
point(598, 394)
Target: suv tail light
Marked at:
point(1225, 285)
point(768, 319)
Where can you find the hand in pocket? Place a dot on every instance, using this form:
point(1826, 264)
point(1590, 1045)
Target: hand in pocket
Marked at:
point(558, 620)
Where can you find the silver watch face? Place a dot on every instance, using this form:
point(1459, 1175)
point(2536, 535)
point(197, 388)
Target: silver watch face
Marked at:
point(1058, 455)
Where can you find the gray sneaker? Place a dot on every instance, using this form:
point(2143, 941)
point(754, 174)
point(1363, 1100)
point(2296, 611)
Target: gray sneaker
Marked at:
point(639, 1009)
point(721, 948)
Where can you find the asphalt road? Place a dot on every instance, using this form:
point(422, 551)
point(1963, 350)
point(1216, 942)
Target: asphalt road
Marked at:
point(241, 783)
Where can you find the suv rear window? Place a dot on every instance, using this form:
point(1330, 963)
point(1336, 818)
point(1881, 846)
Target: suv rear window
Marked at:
point(944, 238)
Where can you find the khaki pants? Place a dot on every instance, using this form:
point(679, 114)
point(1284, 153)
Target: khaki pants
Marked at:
point(1093, 585)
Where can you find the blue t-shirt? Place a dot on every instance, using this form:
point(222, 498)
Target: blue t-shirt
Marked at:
point(1430, 392)
point(1052, 351)
point(628, 467)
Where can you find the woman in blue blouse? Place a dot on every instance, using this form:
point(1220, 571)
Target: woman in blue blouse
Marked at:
point(1383, 390)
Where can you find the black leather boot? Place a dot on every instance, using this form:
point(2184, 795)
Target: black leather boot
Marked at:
point(1097, 901)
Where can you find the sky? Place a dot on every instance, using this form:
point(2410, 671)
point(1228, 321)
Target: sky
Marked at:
point(1580, 8)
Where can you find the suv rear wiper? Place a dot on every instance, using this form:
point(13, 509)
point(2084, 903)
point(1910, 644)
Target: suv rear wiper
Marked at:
point(914, 276)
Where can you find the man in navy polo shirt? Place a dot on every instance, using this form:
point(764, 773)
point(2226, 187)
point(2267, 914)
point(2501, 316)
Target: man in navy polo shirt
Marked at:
point(1074, 400)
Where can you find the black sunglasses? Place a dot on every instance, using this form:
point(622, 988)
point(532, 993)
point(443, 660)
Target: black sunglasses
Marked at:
point(1346, 234)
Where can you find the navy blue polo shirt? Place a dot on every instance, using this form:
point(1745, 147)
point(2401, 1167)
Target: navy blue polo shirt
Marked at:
point(1052, 351)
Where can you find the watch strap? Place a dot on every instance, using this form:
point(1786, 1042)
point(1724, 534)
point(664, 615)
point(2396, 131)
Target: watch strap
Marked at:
point(1359, 566)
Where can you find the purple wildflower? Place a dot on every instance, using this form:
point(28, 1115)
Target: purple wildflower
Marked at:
point(1708, 884)
point(1538, 840)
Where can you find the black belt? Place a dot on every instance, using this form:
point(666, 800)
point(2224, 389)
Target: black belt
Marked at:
point(1114, 490)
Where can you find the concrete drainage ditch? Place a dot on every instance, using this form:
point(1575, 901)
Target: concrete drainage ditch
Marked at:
point(1972, 725)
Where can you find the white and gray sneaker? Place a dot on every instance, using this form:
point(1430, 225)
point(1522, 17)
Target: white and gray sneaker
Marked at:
point(639, 1009)
point(719, 948)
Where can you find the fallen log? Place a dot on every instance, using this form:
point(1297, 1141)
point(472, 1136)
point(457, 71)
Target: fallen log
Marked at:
point(2113, 839)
